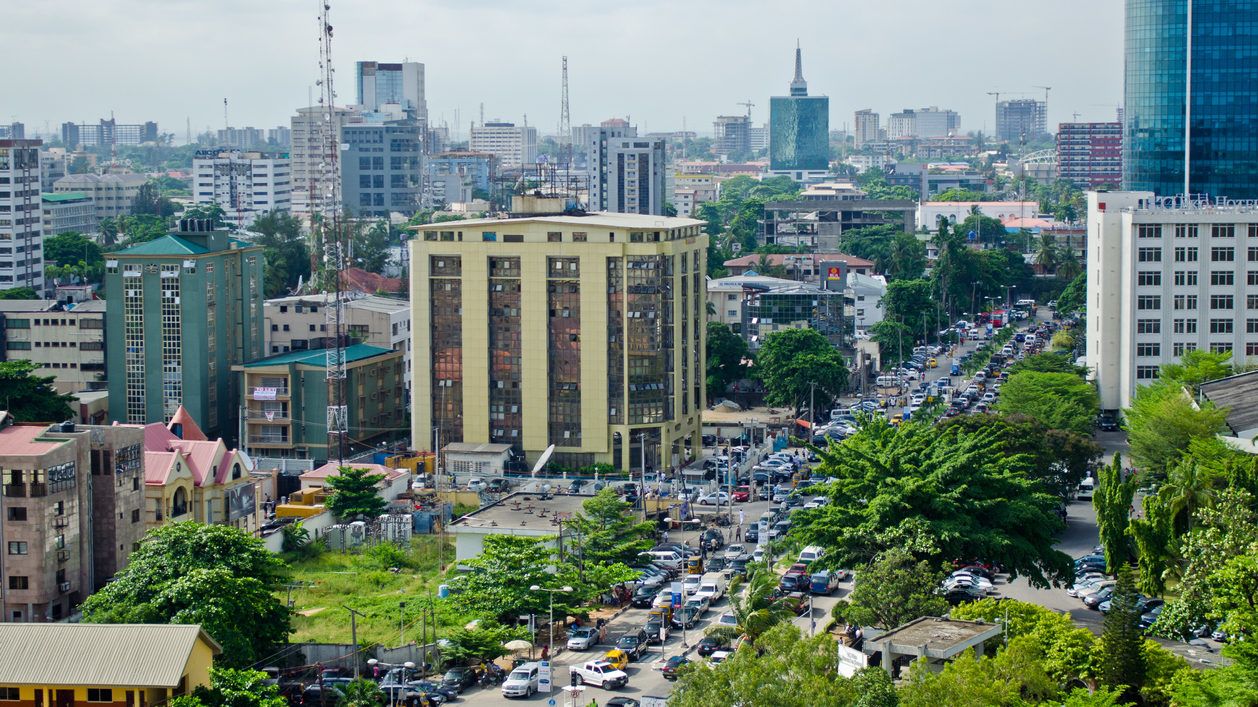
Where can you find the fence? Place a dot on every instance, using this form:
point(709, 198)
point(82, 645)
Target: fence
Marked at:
point(343, 655)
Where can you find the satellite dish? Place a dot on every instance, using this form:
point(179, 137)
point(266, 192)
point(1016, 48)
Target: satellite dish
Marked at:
point(541, 461)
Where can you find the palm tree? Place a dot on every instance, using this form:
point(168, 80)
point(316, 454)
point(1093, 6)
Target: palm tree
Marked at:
point(753, 609)
point(1047, 255)
point(1068, 266)
point(361, 693)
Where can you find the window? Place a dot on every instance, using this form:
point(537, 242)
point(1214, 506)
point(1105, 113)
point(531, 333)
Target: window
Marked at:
point(1251, 348)
point(1185, 255)
point(554, 236)
point(1220, 347)
point(100, 694)
point(1251, 326)
point(1149, 255)
point(1148, 302)
point(1186, 277)
point(579, 237)
point(18, 548)
point(488, 236)
point(1222, 301)
point(512, 238)
point(1222, 254)
point(10, 694)
point(1221, 326)
point(17, 513)
point(1185, 326)
point(1251, 278)
point(1148, 326)
point(1222, 277)
point(1148, 349)
point(1185, 301)
point(1253, 254)
point(135, 515)
point(1180, 347)
point(1145, 373)
point(1149, 231)
point(1149, 278)
point(1185, 231)
point(18, 582)
point(1223, 231)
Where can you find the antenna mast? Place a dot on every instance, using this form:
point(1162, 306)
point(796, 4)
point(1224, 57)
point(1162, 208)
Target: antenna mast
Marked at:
point(565, 122)
point(333, 244)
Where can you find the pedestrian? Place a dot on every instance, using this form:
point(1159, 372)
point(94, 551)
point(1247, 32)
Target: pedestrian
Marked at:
point(738, 534)
point(742, 517)
point(665, 536)
point(545, 652)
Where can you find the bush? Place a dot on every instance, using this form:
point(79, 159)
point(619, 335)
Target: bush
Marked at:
point(385, 556)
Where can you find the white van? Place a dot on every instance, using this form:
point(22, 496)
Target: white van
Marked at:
point(712, 586)
point(663, 558)
point(811, 554)
point(522, 682)
point(1086, 487)
point(887, 382)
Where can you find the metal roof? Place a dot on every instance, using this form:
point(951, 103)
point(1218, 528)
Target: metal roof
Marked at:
point(319, 357)
point(113, 655)
point(1239, 396)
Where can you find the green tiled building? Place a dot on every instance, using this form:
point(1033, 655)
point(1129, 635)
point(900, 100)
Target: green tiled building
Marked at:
point(183, 309)
point(286, 400)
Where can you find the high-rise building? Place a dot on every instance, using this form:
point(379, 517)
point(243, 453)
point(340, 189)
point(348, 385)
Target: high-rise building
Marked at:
point(733, 135)
point(453, 177)
point(1021, 120)
point(280, 137)
point(381, 85)
point(70, 135)
point(1208, 99)
point(382, 167)
point(1165, 276)
point(923, 123)
point(244, 184)
point(628, 175)
point(21, 216)
point(582, 332)
point(866, 127)
point(241, 138)
point(107, 132)
point(311, 164)
point(185, 308)
point(1090, 154)
point(758, 138)
point(113, 194)
point(514, 146)
point(799, 130)
point(13, 131)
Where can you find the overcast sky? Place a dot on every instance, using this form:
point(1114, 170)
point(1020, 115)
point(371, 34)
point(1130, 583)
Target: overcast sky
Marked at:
point(656, 61)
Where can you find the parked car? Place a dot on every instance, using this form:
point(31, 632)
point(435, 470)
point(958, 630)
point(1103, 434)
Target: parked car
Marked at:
point(582, 638)
point(712, 644)
point(459, 678)
point(669, 671)
point(522, 682)
point(1093, 600)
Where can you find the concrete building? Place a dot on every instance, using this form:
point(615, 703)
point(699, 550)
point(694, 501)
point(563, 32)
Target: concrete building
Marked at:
point(66, 342)
point(864, 163)
point(308, 156)
point(245, 185)
point(866, 292)
point(21, 216)
point(286, 400)
point(280, 137)
point(1090, 154)
point(241, 139)
point(867, 130)
point(54, 163)
point(923, 123)
point(514, 146)
point(1165, 276)
point(595, 337)
point(799, 127)
point(13, 131)
point(758, 138)
point(800, 305)
point(803, 267)
point(300, 324)
point(1021, 120)
point(930, 213)
point(382, 167)
point(69, 211)
point(113, 194)
point(385, 86)
point(185, 308)
point(733, 136)
point(456, 177)
point(629, 175)
point(727, 296)
point(62, 537)
point(690, 191)
point(822, 213)
point(106, 133)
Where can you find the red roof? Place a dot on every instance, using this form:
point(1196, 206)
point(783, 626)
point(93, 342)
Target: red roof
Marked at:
point(360, 280)
point(191, 431)
point(19, 440)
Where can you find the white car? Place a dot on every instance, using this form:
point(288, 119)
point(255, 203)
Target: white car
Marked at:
point(690, 584)
point(718, 657)
point(980, 581)
point(758, 555)
point(727, 619)
point(664, 598)
point(719, 498)
point(700, 602)
point(582, 639)
point(733, 552)
point(476, 484)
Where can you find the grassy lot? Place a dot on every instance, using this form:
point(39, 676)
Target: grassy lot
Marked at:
point(330, 581)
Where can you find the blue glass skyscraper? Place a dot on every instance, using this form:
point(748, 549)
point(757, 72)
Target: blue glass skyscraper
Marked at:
point(799, 129)
point(1191, 63)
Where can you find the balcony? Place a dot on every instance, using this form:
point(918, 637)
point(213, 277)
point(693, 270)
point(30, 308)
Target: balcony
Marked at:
point(271, 440)
point(279, 392)
point(15, 490)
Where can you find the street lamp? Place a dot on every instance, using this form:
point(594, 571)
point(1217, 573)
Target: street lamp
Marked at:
point(396, 695)
point(550, 652)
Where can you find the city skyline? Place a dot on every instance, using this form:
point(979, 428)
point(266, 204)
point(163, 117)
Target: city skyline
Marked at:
point(990, 47)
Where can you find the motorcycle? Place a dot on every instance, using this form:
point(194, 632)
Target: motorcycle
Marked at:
point(492, 675)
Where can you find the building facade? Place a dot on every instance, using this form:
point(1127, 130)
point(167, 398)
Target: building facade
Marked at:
point(1166, 276)
point(1021, 120)
point(454, 177)
point(65, 341)
point(382, 167)
point(69, 212)
point(244, 184)
point(514, 146)
point(923, 123)
point(1219, 118)
point(629, 175)
point(1090, 154)
point(585, 332)
point(107, 132)
point(21, 216)
point(799, 130)
point(185, 308)
point(113, 194)
point(382, 85)
point(309, 161)
point(286, 400)
point(732, 135)
point(867, 130)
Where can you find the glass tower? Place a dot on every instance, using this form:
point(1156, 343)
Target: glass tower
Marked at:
point(1213, 88)
point(799, 127)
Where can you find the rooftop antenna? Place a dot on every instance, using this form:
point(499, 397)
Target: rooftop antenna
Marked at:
point(226, 123)
point(565, 122)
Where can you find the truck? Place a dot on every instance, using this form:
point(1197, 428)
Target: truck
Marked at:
point(711, 586)
point(599, 672)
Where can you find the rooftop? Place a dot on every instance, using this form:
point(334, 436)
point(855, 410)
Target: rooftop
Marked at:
point(55, 197)
point(935, 637)
point(319, 357)
point(353, 300)
point(738, 282)
point(1239, 395)
point(27, 440)
point(814, 258)
point(476, 448)
point(599, 218)
point(114, 655)
point(524, 511)
point(334, 469)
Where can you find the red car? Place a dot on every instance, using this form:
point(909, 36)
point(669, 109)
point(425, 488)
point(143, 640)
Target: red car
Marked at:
point(742, 494)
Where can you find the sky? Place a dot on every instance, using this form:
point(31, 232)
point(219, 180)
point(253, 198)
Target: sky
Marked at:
point(657, 62)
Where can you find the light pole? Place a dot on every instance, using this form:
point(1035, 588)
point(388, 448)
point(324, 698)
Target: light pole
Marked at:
point(396, 696)
point(550, 652)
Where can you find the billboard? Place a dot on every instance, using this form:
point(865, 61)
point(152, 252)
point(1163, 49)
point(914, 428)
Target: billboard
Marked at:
point(833, 274)
point(241, 502)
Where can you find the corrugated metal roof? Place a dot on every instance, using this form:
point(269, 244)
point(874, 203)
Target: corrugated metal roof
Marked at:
point(319, 357)
point(1239, 395)
point(115, 655)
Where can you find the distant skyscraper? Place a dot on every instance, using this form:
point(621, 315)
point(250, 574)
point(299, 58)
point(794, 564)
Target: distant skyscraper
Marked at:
point(628, 174)
point(382, 167)
point(308, 154)
point(21, 229)
point(799, 127)
point(402, 85)
point(514, 146)
point(1090, 154)
point(107, 132)
point(1221, 113)
point(733, 135)
point(1021, 120)
point(13, 131)
point(866, 127)
point(245, 184)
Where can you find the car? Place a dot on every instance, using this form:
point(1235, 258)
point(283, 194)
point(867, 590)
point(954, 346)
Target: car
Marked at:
point(716, 564)
point(690, 584)
point(1148, 618)
point(699, 602)
point(653, 628)
point(622, 702)
point(522, 681)
point(742, 494)
point(582, 638)
point(738, 565)
point(686, 617)
point(672, 665)
point(964, 577)
point(733, 552)
point(796, 602)
point(599, 672)
point(716, 498)
point(1093, 600)
point(633, 644)
point(753, 533)
point(726, 619)
point(477, 484)
point(1107, 422)
point(824, 582)
point(321, 695)
point(459, 678)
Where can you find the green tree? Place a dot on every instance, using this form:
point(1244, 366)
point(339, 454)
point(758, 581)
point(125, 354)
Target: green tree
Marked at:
point(754, 610)
point(1047, 255)
point(206, 212)
point(941, 494)
point(32, 398)
point(895, 589)
point(18, 293)
point(1075, 297)
point(1122, 663)
point(907, 257)
point(286, 256)
point(354, 494)
point(1048, 362)
point(235, 688)
point(1112, 501)
point(361, 692)
point(892, 337)
point(500, 577)
point(1162, 421)
point(150, 202)
point(1062, 401)
point(1068, 267)
point(371, 245)
point(214, 575)
point(795, 364)
point(132, 230)
point(976, 678)
point(1196, 367)
point(874, 688)
point(606, 530)
point(296, 537)
point(1061, 459)
point(72, 247)
point(483, 642)
point(727, 352)
point(912, 303)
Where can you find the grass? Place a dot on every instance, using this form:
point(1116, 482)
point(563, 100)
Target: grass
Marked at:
point(331, 581)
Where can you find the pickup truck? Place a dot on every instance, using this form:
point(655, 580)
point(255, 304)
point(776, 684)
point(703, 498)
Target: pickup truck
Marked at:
point(601, 673)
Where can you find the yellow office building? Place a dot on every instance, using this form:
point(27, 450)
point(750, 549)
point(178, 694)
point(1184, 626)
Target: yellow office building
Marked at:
point(582, 331)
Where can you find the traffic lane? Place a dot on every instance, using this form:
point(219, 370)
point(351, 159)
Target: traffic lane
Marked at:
point(1079, 537)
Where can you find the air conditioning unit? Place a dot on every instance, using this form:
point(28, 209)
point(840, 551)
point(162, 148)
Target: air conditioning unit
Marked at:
point(64, 587)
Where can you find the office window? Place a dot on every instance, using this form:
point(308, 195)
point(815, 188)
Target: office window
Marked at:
point(1222, 277)
point(10, 694)
point(1184, 326)
point(1222, 254)
point(1221, 301)
point(17, 547)
point(1185, 302)
point(1149, 255)
point(554, 236)
point(1180, 347)
point(1185, 231)
point(1148, 349)
point(1223, 231)
point(1220, 347)
point(1251, 326)
point(19, 582)
point(1149, 231)
point(1149, 278)
point(1253, 254)
point(1186, 278)
point(1251, 301)
point(1185, 255)
point(1145, 373)
point(1148, 302)
point(1251, 278)
point(1221, 326)
point(488, 236)
point(579, 236)
point(17, 513)
point(1148, 326)
point(1251, 348)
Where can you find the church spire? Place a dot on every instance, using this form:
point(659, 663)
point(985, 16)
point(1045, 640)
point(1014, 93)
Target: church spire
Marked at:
point(799, 87)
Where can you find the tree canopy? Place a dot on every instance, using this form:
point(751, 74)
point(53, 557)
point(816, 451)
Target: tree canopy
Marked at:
point(287, 251)
point(726, 353)
point(32, 398)
point(796, 363)
point(1162, 421)
point(895, 589)
point(354, 493)
point(1063, 401)
point(234, 688)
point(606, 530)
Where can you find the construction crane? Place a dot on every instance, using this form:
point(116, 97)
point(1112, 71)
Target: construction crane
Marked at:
point(334, 245)
point(1046, 90)
point(749, 105)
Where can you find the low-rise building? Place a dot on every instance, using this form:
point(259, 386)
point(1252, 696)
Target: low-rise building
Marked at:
point(804, 267)
point(121, 665)
point(300, 324)
point(70, 211)
point(866, 292)
point(818, 218)
point(727, 295)
point(930, 213)
point(66, 341)
point(112, 194)
point(244, 184)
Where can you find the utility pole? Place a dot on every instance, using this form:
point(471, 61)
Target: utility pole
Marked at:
point(353, 633)
point(401, 623)
point(642, 479)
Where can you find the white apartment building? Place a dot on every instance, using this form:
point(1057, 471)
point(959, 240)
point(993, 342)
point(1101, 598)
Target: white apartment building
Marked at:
point(310, 165)
point(113, 194)
point(69, 211)
point(866, 128)
point(514, 146)
point(1165, 276)
point(21, 216)
point(629, 175)
point(244, 184)
point(690, 191)
point(866, 292)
